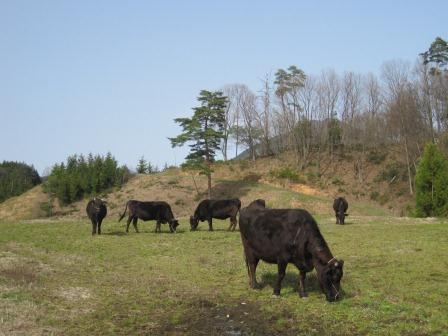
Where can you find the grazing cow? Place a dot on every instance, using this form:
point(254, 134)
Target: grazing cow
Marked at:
point(257, 204)
point(282, 236)
point(159, 211)
point(220, 209)
point(340, 207)
point(96, 210)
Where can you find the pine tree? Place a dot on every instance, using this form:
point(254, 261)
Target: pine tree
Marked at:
point(205, 131)
point(432, 183)
point(142, 166)
point(150, 168)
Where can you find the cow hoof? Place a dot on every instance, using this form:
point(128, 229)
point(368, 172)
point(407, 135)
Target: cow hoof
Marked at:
point(275, 296)
point(303, 296)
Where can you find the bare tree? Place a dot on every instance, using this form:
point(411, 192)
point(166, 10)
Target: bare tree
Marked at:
point(328, 93)
point(248, 107)
point(265, 115)
point(404, 118)
point(351, 107)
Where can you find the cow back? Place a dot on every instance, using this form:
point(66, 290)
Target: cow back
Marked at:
point(157, 210)
point(277, 233)
point(340, 204)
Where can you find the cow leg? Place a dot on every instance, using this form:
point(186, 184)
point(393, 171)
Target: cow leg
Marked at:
point(93, 227)
point(252, 268)
point(232, 224)
point(99, 226)
point(128, 223)
point(281, 274)
point(158, 229)
point(302, 291)
point(134, 222)
point(337, 219)
point(210, 226)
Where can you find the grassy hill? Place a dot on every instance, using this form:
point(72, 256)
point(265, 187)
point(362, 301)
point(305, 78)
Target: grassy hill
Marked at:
point(383, 187)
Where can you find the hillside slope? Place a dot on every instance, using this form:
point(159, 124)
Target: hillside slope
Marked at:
point(246, 180)
point(25, 206)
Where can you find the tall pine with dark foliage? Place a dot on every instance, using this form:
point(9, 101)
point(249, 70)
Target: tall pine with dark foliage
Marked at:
point(204, 130)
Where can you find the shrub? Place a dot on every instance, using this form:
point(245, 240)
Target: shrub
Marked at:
point(391, 171)
point(376, 157)
point(431, 183)
point(287, 173)
point(337, 181)
point(311, 177)
point(47, 208)
point(383, 199)
point(244, 164)
point(374, 195)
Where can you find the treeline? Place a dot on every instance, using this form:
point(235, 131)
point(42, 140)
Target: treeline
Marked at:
point(79, 177)
point(16, 178)
point(406, 107)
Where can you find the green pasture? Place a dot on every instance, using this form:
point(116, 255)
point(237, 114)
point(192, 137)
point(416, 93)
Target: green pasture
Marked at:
point(56, 279)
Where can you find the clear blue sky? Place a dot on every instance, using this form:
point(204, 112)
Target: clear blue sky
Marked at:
point(98, 76)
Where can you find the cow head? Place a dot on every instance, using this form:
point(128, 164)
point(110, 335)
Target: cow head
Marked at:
point(330, 279)
point(173, 225)
point(98, 202)
point(194, 222)
point(257, 204)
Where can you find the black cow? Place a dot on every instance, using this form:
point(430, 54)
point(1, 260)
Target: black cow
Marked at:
point(340, 207)
point(96, 210)
point(282, 236)
point(159, 211)
point(219, 209)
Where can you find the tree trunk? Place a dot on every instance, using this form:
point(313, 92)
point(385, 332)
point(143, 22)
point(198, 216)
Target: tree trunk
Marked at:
point(195, 185)
point(408, 166)
point(209, 182)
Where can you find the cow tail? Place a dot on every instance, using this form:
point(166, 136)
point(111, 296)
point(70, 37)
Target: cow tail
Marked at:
point(124, 213)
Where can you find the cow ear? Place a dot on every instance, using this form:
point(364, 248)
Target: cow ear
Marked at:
point(341, 262)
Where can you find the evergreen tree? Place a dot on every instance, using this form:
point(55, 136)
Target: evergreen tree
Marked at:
point(16, 178)
point(150, 168)
point(437, 55)
point(432, 183)
point(142, 166)
point(205, 131)
point(78, 177)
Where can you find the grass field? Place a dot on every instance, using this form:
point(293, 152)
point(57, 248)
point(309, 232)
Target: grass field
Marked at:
point(57, 279)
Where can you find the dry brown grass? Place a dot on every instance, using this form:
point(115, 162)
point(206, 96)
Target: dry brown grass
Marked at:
point(242, 179)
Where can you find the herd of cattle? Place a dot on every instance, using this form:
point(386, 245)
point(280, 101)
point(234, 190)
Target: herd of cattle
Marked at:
point(276, 236)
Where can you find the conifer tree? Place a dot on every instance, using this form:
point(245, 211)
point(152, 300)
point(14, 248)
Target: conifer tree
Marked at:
point(204, 131)
point(432, 183)
point(142, 166)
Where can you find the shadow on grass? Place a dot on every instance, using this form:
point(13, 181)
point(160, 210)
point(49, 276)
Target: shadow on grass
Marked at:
point(291, 280)
point(114, 233)
point(233, 188)
point(221, 230)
